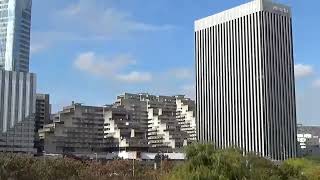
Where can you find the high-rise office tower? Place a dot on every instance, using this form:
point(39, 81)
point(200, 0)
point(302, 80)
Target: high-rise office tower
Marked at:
point(15, 23)
point(17, 109)
point(245, 79)
point(17, 85)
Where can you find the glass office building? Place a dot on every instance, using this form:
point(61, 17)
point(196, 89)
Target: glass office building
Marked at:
point(15, 23)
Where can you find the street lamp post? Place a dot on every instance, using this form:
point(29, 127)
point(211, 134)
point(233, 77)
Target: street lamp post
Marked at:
point(96, 154)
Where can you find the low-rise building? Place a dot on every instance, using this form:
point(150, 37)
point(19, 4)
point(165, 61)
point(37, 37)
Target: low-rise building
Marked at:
point(43, 110)
point(135, 122)
point(126, 133)
point(42, 117)
point(308, 140)
point(186, 116)
point(79, 129)
point(164, 130)
point(169, 120)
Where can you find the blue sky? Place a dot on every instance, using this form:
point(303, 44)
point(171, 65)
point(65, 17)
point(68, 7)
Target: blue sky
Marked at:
point(90, 51)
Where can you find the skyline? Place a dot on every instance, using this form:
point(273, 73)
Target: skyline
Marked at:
point(150, 38)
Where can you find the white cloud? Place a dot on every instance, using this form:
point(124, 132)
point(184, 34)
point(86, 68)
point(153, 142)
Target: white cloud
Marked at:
point(303, 70)
point(316, 83)
point(99, 65)
point(106, 22)
point(36, 47)
point(182, 73)
point(189, 90)
point(110, 68)
point(135, 77)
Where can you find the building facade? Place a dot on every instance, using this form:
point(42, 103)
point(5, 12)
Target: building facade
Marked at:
point(78, 129)
point(245, 79)
point(17, 111)
point(43, 110)
point(164, 130)
point(42, 117)
point(186, 116)
point(164, 121)
point(308, 138)
point(15, 20)
point(135, 122)
point(125, 132)
point(137, 104)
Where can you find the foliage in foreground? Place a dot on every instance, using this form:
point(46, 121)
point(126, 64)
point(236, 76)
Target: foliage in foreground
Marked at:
point(20, 167)
point(204, 163)
point(207, 163)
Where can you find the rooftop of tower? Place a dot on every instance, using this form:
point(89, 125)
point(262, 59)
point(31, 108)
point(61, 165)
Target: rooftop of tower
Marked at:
point(240, 11)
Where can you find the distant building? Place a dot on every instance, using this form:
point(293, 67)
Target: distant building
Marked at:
point(135, 122)
point(78, 130)
point(164, 130)
point(17, 111)
point(43, 110)
point(186, 116)
point(17, 85)
point(137, 104)
point(15, 28)
point(42, 117)
point(166, 119)
point(124, 132)
point(245, 86)
point(308, 140)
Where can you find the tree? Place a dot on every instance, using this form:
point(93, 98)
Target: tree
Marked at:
point(205, 162)
point(300, 169)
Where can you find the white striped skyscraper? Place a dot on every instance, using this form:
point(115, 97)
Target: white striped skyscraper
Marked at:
point(245, 79)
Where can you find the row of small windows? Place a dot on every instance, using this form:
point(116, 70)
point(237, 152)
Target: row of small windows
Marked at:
point(24, 56)
point(25, 24)
point(4, 19)
point(4, 6)
point(25, 42)
point(4, 13)
point(24, 50)
point(3, 25)
point(26, 15)
point(24, 34)
point(4, 1)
